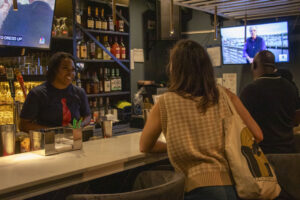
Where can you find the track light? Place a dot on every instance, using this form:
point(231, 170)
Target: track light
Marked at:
point(15, 5)
point(171, 19)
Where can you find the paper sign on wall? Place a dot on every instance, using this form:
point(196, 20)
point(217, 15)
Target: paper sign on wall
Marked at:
point(138, 55)
point(229, 81)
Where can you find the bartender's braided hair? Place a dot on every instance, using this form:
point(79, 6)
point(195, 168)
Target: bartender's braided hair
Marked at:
point(54, 63)
point(191, 74)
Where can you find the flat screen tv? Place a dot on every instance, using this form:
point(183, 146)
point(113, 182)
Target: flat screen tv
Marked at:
point(271, 36)
point(29, 26)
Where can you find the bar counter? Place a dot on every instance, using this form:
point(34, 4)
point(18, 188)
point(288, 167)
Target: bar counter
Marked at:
point(30, 174)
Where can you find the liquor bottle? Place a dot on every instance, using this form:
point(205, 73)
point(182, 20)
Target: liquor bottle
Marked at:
point(95, 83)
point(91, 49)
point(78, 47)
point(83, 79)
point(107, 106)
point(110, 42)
point(111, 26)
point(107, 46)
point(90, 19)
point(106, 80)
point(79, 84)
point(113, 81)
point(101, 80)
point(101, 107)
point(78, 15)
point(118, 80)
point(99, 50)
point(91, 103)
point(115, 49)
point(83, 50)
point(122, 49)
point(120, 23)
point(95, 110)
point(98, 24)
point(88, 85)
point(103, 21)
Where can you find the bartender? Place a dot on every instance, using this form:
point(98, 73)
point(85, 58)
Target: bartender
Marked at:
point(56, 102)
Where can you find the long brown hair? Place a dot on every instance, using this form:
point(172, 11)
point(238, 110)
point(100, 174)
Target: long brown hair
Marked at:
point(191, 74)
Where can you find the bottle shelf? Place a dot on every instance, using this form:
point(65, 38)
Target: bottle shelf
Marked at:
point(61, 38)
point(99, 61)
point(27, 78)
point(106, 32)
point(119, 93)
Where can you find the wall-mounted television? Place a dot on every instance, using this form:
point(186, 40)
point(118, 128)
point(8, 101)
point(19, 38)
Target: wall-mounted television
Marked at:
point(29, 26)
point(270, 36)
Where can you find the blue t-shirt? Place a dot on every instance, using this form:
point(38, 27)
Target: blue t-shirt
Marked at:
point(254, 46)
point(44, 104)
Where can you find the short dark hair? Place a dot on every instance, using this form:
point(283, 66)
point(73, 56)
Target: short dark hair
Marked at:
point(264, 59)
point(54, 63)
point(192, 75)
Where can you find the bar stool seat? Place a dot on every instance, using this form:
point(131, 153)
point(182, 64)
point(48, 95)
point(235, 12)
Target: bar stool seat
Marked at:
point(149, 185)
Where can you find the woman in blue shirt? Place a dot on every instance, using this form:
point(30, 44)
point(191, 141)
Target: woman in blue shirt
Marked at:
point(57, 101)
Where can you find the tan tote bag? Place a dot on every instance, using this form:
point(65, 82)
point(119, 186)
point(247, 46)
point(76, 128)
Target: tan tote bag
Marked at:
point(253, 175)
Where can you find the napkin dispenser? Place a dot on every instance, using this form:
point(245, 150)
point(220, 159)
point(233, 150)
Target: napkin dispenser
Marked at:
point(56, 140)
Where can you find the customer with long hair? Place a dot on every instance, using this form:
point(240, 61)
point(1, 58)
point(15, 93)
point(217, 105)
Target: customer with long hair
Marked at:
point(191, 116)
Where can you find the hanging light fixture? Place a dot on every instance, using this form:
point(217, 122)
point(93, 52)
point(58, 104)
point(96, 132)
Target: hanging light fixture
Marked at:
point(171, 19)
point(215, 23)
point(15, 5)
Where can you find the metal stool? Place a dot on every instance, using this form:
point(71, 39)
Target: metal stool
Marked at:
point(149, 185)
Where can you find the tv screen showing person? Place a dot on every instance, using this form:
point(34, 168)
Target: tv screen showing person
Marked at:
point(272, 37)
point(253, 45)
point(29, 26)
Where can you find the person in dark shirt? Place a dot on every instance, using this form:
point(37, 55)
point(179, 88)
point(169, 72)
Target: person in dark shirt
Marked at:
point(253, 45)
point(57, 101)
point(272, 101)
point(285, 73)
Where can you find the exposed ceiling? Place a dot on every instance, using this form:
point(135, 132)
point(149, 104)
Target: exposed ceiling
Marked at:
point(237, 9)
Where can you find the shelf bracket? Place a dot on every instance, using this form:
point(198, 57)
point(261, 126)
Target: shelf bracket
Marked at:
point(102, 47)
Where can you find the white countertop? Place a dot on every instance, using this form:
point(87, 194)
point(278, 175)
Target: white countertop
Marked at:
point(30, 174)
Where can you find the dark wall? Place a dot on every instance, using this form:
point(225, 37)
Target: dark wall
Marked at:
point(156, 51)
point(136, 8)
point(202, 21)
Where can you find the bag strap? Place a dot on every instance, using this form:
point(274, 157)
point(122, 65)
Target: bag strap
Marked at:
point(228, 100)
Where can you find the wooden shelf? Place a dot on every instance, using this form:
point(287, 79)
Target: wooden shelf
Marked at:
point(62, 38)
point(119, 93)
point(27, 78)
point(107, 32)
point(99, 61)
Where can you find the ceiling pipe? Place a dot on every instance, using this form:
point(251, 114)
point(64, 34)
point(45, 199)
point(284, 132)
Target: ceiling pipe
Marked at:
point(171, 18)
point(215, 23)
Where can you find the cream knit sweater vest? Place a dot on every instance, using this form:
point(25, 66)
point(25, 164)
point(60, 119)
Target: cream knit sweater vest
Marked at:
point(195, 141)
